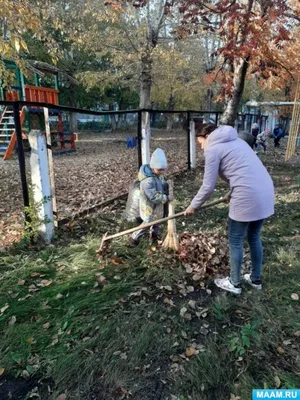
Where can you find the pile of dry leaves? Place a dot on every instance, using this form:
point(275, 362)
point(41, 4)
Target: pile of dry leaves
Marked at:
point(204, 255)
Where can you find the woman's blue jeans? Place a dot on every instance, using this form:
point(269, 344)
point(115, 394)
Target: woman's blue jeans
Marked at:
point(236, 233)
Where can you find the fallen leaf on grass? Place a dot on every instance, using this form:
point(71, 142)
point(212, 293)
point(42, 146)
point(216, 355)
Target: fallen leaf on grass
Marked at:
point(62, 396)
point(101, 278)
point(184, 335)
point(191, 351)
point(21, 282)
point(277, 382)
point(192, 304)
point(29, 340)
point(287, 342)
point(117, 353)
point(200, 347)
point(13, 320)
point(25, 374)
point(295, 296)
point(123, 390)
point(86, 339)
point(169, 302)
point(116, 260)
point(175, 358)
point(297, 334)
point(2, 371)
point(59, 296)
point(122, 300)
point(187, 316)
point(188, 269)
point(183, 311)
point(25, 298)
point(46, 283)
point(34, 274)
point(33, 288)
point(203, 331)
point(46, 325)
point(197, 277)
point(280, 350)
point(4, 308)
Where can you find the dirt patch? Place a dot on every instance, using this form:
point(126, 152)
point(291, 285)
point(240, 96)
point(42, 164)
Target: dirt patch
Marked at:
point(101, 168)
point(12, 388)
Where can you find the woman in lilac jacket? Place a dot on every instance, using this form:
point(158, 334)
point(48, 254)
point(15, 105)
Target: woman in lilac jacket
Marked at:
point(252, 198)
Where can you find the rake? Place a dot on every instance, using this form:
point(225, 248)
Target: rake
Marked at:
point(107, 238)
point(171, 241)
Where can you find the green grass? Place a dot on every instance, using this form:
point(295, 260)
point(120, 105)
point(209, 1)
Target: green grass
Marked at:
point(125, 335)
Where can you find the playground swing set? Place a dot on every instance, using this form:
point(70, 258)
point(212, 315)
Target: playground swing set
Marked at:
point(62, 142)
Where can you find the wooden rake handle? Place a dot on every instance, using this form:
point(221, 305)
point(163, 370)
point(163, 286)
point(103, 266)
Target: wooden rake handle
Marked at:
point(162, 220)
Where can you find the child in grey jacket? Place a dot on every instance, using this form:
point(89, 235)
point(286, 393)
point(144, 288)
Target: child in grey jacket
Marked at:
point(153, 193)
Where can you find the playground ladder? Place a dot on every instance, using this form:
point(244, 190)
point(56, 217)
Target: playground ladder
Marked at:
point(8, 136)
point(7, 127)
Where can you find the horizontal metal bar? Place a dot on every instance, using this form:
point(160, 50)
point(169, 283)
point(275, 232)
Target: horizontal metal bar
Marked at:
point(92, 112)
point(65, 108)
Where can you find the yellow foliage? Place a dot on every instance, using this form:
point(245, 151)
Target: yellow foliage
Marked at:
point(16, 19)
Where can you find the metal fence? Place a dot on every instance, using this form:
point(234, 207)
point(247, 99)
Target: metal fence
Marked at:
point(93, 161)
point(96, 155)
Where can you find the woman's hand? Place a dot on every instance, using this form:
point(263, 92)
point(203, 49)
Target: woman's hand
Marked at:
point(189, 211)
point(227, 198)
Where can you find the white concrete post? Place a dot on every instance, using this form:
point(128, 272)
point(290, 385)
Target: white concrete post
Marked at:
point(193, 145)
point(50, 163)
point(146, 134)
point(41, 184)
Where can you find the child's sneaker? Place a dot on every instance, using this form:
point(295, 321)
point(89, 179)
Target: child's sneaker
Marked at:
point(256, 285)
point(132, 242)
point(225, 284)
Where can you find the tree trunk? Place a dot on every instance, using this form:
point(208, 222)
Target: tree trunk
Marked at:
point(73, 122)
point(233, 101)
point(145, 102)
point(73, 116)
point(169, 117)
point(113, 118)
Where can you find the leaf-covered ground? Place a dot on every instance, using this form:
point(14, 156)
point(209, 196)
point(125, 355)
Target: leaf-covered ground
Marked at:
point(137, 325)
point(101, 168)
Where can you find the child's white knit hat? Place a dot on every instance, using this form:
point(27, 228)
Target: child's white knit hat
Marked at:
point(158, 160)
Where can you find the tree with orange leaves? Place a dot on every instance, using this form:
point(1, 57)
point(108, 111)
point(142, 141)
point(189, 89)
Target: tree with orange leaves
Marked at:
point(253, 35)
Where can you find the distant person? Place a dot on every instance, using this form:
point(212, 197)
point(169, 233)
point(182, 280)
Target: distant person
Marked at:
point(278, 134)
point(252, 199)
point(255, 132)
point(262, 139)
